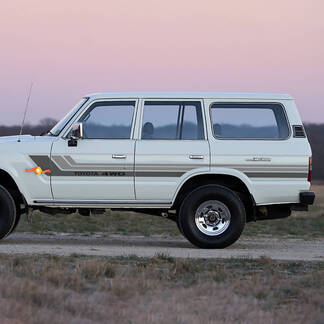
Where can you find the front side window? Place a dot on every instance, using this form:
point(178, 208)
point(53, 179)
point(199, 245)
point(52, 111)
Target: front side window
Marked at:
point(108, 120)
point(249, 121)
point(172, 120)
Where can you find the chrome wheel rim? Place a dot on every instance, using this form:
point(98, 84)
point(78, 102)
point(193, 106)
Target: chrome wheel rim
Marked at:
point(212, 217)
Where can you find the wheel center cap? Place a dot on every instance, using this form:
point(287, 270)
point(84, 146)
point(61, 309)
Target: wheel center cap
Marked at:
point(212, 217)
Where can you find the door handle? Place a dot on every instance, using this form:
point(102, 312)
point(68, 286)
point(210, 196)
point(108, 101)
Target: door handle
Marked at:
point(196, 157)
point(119, 156)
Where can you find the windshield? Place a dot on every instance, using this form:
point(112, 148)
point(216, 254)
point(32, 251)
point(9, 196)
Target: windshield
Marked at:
point(56, 130)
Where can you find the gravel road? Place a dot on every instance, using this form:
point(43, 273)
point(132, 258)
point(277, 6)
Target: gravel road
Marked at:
point(96, 245)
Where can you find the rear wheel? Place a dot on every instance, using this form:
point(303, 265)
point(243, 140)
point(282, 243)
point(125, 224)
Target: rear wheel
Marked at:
point(7, 212)
point(212, 217)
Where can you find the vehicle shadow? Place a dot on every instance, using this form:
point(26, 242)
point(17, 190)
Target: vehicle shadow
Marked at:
point(22, 238)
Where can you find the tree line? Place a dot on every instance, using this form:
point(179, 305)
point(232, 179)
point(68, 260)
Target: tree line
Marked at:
point(315, 133)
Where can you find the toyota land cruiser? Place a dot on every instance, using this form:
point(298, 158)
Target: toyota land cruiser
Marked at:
point(209, 161)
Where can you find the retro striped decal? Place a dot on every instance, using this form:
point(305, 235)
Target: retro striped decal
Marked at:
point(66, 166)
point(61, 166)
point(269, 171)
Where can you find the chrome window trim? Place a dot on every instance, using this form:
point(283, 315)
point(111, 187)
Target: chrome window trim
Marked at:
point(201, 101)
point(80, 114)
point(86, 100)
point(250, 139)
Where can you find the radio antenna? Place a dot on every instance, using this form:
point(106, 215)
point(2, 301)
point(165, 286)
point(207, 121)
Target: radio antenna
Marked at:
point(25, 113)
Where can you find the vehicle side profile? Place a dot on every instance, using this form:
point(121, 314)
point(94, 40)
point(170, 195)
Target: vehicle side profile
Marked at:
point(208, 161)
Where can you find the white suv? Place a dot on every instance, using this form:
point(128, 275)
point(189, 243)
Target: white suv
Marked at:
point(209, 161)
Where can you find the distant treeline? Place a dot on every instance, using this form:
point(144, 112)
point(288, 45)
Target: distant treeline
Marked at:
point(315, 133)
point(35, 130)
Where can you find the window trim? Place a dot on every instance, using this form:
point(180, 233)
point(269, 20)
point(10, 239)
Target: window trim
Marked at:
point(248, 103)
point(98, 100)
point(180, 100)
point(77, 110)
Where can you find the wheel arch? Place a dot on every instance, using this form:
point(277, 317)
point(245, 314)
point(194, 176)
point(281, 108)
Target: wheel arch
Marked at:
point(227, 180)
point(8, 182)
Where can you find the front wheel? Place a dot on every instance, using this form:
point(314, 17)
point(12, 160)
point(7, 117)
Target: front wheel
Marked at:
point(212, 217)
point(7, 212)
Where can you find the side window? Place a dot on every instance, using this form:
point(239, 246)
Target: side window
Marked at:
point(173, 120)
point(249, 121)
point(108, 120)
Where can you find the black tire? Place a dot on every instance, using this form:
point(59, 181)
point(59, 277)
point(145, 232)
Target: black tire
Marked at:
point(16, 222)
point(223, 196)
point(7, 212)
point(17, 198)
point(179, 225)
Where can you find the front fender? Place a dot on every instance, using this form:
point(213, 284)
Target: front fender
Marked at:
point(15, 159)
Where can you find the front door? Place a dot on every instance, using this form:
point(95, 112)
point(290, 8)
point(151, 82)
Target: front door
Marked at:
point(101, 166)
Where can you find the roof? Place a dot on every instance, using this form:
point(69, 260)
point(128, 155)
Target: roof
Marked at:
point(193, 95)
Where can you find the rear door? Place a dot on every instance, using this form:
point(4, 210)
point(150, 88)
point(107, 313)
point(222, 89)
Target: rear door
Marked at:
point(101, 166)
point(172, 146)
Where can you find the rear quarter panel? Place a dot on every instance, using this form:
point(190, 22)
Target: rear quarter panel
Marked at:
point(283, 173)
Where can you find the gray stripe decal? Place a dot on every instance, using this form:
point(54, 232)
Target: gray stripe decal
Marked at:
point(275, 175)
point(259, 165)
point(139, 167)
point(46, 163)
point(58, 162)
point(159, 174)
point(64, 166)
point(74, 164)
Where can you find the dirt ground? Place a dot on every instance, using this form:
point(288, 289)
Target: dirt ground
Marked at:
point(113, 246)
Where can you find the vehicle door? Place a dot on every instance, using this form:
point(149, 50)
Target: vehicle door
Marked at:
point(172, 146)
point(101, 165)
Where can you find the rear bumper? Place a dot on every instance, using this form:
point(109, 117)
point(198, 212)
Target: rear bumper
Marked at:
point(307, 197)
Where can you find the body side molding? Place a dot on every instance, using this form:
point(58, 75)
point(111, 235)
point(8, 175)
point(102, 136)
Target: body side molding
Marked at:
point(104, 204)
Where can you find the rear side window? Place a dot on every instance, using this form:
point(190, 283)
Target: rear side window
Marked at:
point(249, 121)
point(172, 120)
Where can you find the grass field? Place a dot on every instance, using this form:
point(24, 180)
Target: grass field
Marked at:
point(79, 289)
point(302, 224)
point(159, 290)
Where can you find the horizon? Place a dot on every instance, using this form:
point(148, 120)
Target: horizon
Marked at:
point(70, 49)
point(127, 93)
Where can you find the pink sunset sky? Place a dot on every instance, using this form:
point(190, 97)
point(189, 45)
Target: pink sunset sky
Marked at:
point(71, 48)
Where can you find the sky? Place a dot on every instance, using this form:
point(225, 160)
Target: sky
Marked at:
point(71, 48)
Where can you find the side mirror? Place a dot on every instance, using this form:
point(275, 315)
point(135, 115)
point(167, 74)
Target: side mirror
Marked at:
point(76, 134)
point(77, 131)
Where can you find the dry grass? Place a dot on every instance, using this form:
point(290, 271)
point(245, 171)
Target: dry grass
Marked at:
point(159, 290)
point(77, 289)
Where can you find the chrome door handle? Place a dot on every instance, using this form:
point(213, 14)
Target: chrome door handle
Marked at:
point(196, 157)
point(119, 156)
